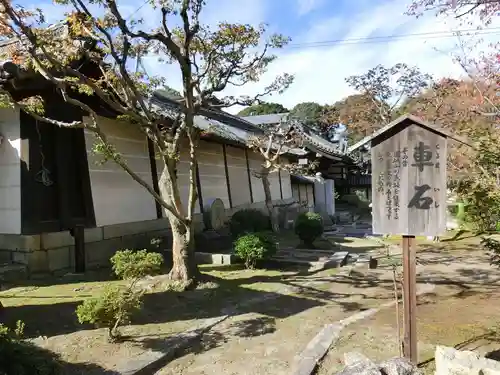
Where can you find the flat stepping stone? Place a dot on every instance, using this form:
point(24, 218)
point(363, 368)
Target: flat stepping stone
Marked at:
point(316, 254)
point(338, 259)
point(306, 362)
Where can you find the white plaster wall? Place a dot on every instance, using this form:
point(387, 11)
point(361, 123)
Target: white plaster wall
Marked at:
point(255, 163)
point(286, 184)
point(238, 175)
point(117, 197)
point(10, 172)
point(212, 172)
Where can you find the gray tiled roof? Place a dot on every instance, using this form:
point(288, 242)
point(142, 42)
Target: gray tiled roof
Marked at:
point(312, 140)
point(219, 123)
point(274, 118)
point(222, 124)
point(318, 143)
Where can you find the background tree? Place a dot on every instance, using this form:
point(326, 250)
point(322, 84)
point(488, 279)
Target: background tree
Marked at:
point(263, 109)
point(381, 91)
point(308, 113)
point(358, 111)
point(208, 60)
point(455, 105)
point(275, 141)
point(480, 106)
point(485, 9)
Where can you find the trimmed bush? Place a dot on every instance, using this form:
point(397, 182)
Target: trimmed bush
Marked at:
point(113, 308)
point(130, 264)
point(255, 247)
point(249, 221)
point(117, 304)
point(309, 226)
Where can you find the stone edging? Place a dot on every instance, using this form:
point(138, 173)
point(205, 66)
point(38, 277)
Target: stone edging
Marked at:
point(306, 362)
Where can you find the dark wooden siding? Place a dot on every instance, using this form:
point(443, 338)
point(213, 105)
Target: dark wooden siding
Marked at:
point(55, 185)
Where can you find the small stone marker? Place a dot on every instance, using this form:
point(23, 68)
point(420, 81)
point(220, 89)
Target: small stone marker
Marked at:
point(214, 215)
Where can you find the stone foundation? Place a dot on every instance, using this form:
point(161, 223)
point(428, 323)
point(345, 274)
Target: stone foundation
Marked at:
point(53, 253)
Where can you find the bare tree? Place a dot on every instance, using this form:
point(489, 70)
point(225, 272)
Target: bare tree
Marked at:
point(277, 140)
point(380, 92)
point(208, 60)
point(485, 9)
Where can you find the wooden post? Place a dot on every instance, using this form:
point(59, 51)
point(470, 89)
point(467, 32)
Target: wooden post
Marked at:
point(79, 236)
point(410, 299)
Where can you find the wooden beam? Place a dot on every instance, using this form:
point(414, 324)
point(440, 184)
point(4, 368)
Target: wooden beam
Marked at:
point(227, 176)
point(410, 299)
point(78, 233)
point(154, 176)
point(198, 188)
point(281, 187)
point(249, 176)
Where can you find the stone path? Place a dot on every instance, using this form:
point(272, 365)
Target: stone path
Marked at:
point(266, 342)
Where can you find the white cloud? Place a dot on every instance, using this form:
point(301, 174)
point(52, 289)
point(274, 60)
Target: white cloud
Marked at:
point(320, 72)
point(306, 6)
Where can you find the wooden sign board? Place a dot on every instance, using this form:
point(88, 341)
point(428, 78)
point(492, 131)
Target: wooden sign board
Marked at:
point(409, 180)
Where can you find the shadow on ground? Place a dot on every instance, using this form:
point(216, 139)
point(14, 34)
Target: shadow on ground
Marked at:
point(20, 357)
point(227, 297)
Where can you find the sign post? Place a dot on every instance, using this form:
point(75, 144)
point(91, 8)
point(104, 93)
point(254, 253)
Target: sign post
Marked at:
point(409, 197)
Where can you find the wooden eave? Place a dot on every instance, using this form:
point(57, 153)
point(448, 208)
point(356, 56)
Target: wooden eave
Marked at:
point(404, 121)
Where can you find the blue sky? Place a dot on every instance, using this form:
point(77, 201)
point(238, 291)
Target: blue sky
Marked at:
point(320, 72)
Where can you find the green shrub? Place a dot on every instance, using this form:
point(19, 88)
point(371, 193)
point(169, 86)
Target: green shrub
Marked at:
point(492, 247)
point(309, 226)
point(130, 264)
point(116, 305)
point(249, 221)
point(113, 308)
point(18, 357)
point(255, 247)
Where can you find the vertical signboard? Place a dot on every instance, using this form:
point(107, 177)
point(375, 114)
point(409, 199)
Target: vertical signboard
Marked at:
point(409, 181)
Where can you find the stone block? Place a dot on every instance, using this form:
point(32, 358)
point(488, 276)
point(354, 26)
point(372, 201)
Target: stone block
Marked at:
point(119, 230)
point(59, 259)
point(56, 239)
point(38, 262)
point(93, 234)
point(352, 358)
point(72, 257)
point(361, 369)
point(19, 242)
point(450, 361)
point(12, 272)
point(5, 256)
point(20, 257)
point(136, 241)
point(98, 253)
point(399, 366)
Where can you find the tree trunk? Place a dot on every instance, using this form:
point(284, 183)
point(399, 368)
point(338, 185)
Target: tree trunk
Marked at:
point(184, 267)
point(269, 200)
